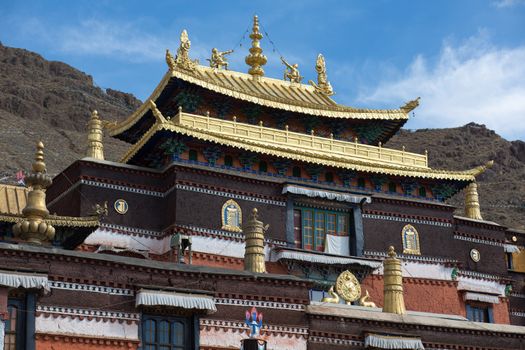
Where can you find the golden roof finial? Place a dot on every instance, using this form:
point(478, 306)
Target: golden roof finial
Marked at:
point(33, 227)
point(393, 284)
point(472, 209)
point(95, 137)
point(256, 59)
point(254, 237)
point(323, 86)
point(182, 60)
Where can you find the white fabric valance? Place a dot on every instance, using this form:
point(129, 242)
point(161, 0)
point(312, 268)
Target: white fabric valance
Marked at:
point(321, 259)
point(182, 300)
point(392, 342)
point(486, 298)
point(315, 192)
point(338, 245)
point(24, 280)
point(511, 248)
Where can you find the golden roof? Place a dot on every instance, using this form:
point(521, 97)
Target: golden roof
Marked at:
point(12, 199)
point(264, 91)
point(300, 147)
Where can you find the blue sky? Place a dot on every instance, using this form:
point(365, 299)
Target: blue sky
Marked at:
point(465, 58)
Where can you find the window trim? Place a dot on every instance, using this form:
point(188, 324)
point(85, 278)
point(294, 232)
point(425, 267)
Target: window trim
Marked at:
point(311, 241)
point(191, 342)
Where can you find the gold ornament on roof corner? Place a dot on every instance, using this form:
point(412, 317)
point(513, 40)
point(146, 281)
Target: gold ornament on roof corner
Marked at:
point(410, 105)
point(393, 284)
point(323, 86)
point(348, 287)
point(334, 299)
point(254, 258)
point(256, 59)
point(231, 216)
point(33, 228)
point(182, 60)
point(218, 59)
point(472, 207)
point(292, 72)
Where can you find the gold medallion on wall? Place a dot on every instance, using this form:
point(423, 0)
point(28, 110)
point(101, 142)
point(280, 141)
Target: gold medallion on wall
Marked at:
point(231, 216)
point(410, 238)
point(121, 206)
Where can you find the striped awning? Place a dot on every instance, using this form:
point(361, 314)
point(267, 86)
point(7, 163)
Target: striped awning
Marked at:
point(511, 248)
point(166, 298)
point(379, 341)
point(321, 258)
point(486, 298)
point(23, 280)
point(332, 195)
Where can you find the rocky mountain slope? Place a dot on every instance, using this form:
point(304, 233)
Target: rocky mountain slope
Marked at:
point(52, 101)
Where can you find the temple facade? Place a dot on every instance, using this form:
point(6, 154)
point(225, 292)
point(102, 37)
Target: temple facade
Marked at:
point(242, 196)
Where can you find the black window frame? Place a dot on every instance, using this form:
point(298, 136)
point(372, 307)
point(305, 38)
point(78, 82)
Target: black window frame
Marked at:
point(190, 332)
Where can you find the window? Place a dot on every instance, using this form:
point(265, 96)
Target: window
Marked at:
point(193, 155)
point(361, 183)
point(510, 263)
point(480, 312)
point(392, 187)
point(296, 171)
point(14, 338)
point(228, 160)
point(162, 333)
point(312, 225)
point(263, 166)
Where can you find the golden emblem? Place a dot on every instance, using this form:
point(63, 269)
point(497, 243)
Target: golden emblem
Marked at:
point(231, 215)
point(348, 287)
point(121, 206)
point(475, 255)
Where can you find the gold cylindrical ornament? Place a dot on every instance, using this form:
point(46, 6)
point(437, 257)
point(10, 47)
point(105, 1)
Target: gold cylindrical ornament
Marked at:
point(472, 208)
point(254, 238)
point(95, 137)
point(393, 284)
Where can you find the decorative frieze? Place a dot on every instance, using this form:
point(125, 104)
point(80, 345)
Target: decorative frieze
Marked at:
point(259, 304)
point(270, 330)
point(86, 313)
point(407, 220)
point(79, 287)
point(229, 195)
point(335, 341)
point(477, 240)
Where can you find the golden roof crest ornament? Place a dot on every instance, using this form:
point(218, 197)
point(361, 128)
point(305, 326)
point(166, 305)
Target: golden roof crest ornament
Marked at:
point(182, 60)
point(393, 284)
point(472, 207)
point(292, 72)
point(33, 228)
point(410, 105)
point(95, 137)
point(218, 59)
point(256, 59)
point(323, 86)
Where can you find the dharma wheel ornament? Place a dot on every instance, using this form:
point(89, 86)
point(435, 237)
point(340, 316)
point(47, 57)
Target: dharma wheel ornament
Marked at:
point(33, 228)
point(348, 287)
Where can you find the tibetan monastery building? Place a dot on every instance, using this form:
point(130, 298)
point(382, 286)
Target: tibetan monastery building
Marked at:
point(240, 191)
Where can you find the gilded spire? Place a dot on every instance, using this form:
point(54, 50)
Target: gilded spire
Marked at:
point(254, 237)
point(393, 284)
point(33, 227)
point(472, 210)
point(256, 59)
point(95, 137)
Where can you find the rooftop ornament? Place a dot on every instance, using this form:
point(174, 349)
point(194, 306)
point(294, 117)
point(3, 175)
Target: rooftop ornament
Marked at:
point(218, 59)
point(323, 86)
point(95, 137)
point(256, 59)
point(33, 228)
point(292, 72)
point(182, 60)
point(254, 252)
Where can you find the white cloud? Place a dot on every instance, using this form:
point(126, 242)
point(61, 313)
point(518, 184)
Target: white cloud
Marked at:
point(475, 81)
point(507, 3)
